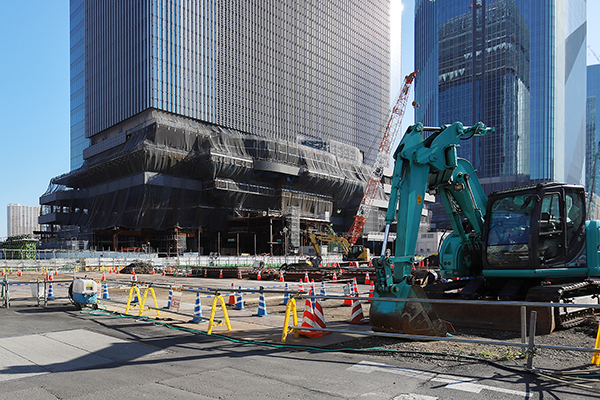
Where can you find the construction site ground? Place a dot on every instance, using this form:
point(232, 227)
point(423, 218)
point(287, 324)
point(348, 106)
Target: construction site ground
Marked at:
point(247, 325)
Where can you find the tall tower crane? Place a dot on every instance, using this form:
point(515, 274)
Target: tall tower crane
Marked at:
point(382, 161)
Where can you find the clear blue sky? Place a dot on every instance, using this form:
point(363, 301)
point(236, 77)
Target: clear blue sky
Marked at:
point(34, 94)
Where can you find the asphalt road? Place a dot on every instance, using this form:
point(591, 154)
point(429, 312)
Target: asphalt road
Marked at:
point(60, 353)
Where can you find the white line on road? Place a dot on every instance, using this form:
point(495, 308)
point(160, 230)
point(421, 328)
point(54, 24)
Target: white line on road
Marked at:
point(451, 381)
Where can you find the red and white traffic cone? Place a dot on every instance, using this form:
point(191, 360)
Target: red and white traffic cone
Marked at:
point(308, 321)
point(239, 274)
point(221, 273)
point(319, 317)
point(258, 276)
point(55, 271)
point(19, 273)
point(153, 272)
point(281, 279)
point(205, 272)
point(334, 279)
point(232, 295)
point(372, 290)
point(347, 293)
point(300, 287)
point(306, 277)
point(367, 279)
point(357, 314)
point(133, 277)
point(103, 276)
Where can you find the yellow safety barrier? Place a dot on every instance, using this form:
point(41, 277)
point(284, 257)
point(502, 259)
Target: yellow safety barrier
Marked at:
point(141, 300)
point(290, 308)
point(596, 356)
point(149, 289)
point(211, 322)
point(139, 296)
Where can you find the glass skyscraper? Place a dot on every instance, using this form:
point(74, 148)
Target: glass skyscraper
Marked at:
point(592, 166)
point(189, 114)
point(516, 65)
point(265, 67)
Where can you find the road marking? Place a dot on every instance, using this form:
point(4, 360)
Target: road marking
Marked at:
point(451, 381)
point(412, 396)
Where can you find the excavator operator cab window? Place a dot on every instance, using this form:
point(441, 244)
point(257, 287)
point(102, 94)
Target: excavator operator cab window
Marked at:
point(508, 241)
point(551, 240)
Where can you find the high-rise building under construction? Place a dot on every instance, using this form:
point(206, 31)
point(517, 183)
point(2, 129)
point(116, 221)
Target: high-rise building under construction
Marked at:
point(196, 119)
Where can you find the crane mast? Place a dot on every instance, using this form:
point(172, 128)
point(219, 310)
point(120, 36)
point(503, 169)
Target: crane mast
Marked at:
point(382, 160)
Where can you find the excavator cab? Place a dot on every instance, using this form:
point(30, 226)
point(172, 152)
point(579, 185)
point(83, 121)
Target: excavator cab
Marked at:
point(532, 228)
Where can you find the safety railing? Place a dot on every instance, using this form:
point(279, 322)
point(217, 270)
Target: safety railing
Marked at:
point(293, 293)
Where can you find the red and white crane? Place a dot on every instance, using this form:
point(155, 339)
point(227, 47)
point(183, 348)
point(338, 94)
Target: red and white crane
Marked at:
point(382, 161)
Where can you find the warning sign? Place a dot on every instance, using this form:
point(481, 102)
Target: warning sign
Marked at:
point(176, 300)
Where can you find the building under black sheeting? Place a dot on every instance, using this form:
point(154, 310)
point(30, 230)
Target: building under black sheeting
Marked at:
point(165, 182)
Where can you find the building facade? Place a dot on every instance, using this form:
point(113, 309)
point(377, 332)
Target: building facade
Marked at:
point(188, 114)
point(592, 152)
point(516, 65)
point(22, 220)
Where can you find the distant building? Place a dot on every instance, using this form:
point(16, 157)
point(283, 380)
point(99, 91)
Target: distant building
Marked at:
point(22, 220)
point(516, 65)
point(212, 126)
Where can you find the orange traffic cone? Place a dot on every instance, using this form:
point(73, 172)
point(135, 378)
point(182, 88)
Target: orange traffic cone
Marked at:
point(232, 295)
point(55, 271)
point(205, 272)
point(133, 277)
point(281, 279)
point(334, 279)
point(300, 287)
point(220, 273)
point(308, 321)
point(163, 272)
point(239, 274)
point(153, 272)
point(306, 277)
point(258, 277)
point(19, 273)
point(116, 270)
point(357, 314)
point(367, 279)
point(103, 276)
point(372, 290)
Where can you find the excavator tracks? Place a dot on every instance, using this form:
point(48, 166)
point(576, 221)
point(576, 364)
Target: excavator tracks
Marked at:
point(503, 317)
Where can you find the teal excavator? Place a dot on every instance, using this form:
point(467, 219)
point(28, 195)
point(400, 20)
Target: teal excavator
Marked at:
point(524, 244)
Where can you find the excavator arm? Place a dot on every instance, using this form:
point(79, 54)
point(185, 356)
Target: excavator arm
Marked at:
point(425, 164)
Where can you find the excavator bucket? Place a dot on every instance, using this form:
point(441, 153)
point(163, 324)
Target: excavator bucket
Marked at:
point(411, 318)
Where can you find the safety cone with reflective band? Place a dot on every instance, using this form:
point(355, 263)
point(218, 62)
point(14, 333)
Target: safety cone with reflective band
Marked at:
point(153, 271)
point(55, 271)
point(105, 292)
point(371, 291)
point(198, 310)
point(19, 273)
point(220, 273)
point(357, 314)
point(239, 274)
point(117, 270)
point(308, 321)
point(50, 289)
point(232, 295)
point(205, 272)
point(306, 277)
point(319, 317)
point(103, 276)
point(367, 279)
point(133, 277)
point(323, 290)
point(312, 294)
point(300, 287)
point(163, 272)
point(286, 296)
point(354, 287)
point(262, 306)
point(347, 293)
point(258, 276)
point(334, 279)
point(281, 279)
point(239, 304)
point(170, 299)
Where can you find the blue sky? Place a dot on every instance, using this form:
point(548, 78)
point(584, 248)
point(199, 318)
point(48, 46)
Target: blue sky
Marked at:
point(34, 93)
